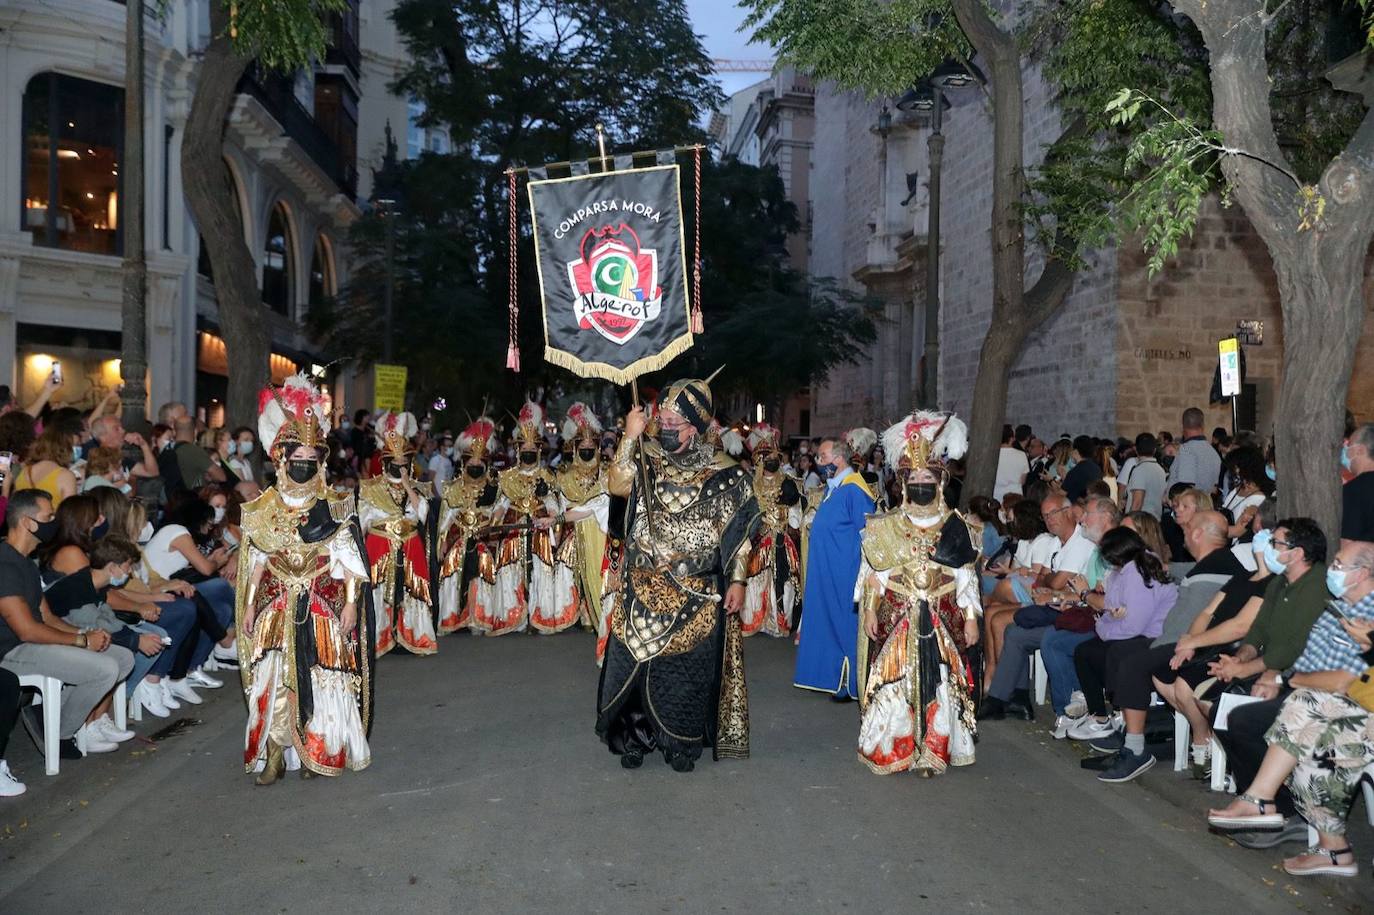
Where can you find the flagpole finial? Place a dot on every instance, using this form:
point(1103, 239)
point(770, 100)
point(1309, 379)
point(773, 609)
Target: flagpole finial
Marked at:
point(712, 377)
point(601, 143)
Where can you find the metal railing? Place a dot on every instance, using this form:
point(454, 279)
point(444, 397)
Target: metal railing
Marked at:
point(276, 95)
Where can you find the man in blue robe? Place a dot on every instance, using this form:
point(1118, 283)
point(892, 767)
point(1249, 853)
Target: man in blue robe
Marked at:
point(826, 656)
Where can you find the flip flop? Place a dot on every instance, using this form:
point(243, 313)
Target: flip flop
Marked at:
point(1261, 820)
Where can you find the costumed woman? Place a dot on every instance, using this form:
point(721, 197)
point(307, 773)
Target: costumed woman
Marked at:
point(302, 610)
point(771, 593)
point(586, 514)
point(394, 510)
point(920, 610)
point(464, 559)
point(530, 588)
point(673, 679)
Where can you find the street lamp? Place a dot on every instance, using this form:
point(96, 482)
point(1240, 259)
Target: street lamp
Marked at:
point(927, 98)
point(386, 192)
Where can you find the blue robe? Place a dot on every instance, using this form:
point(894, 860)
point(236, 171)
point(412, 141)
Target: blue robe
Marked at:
point(826, 657)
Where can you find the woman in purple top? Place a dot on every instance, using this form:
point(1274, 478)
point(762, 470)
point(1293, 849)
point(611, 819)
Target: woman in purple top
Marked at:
point(1139, 595)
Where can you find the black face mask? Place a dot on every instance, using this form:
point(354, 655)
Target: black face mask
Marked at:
point(477, 471)
point(529, 458)
point(772, 464)
point(670, 439)
point(921, 493)
point(393, 470)
point(586, 454)
point(46, 530)
point(302, 471)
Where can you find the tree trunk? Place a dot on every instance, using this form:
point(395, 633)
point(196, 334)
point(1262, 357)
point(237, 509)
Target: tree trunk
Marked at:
point(206, 178)
point(133, 338)
point(1001, 347)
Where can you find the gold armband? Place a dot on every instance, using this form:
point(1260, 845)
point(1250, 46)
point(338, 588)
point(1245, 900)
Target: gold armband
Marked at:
point(625, 451)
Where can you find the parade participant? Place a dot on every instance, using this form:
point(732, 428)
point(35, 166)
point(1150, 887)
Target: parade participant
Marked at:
point(464, 558)
point(306, 649)
point(530, 588)
point(771, 592)
point(586, 515)
point(826, 657)
point(673, 679)
point(920, 610)
point(394, 509)
point(861, 442)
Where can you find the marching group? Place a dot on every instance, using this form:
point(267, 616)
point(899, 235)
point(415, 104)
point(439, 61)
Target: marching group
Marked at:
point(1145, 573)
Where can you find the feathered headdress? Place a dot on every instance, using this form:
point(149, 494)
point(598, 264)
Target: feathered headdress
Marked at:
point(763, 437)
point(861, 440)
point(581, 424)
point(394, 433)
point(529, 425)
point(731, 441)
point(294, 414)
point(478, 439)
point(925, 438)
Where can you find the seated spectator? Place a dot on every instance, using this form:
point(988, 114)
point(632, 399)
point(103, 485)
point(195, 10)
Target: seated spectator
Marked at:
point(1104, 455)
point(1085, 469)
point(240, 455)
point(1183, 504)
point(221, 448)
point(1139, 594)
point(34, 641)
point(105, 467)
point(1061, 461)
point(194, 466)
point(109, 432)
point(48, 466)
point(174, 553)
point(1149, 529)
point(1077, 555)
point(1319, 740)
point(1011, 586)
point(1252, 487)
point(1357, 496)
point(1280, 641)
point(9, 714)
point(1143, 479)
point(986, 511)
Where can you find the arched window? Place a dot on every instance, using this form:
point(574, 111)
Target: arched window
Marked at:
point(278, 263)
point(321, 271)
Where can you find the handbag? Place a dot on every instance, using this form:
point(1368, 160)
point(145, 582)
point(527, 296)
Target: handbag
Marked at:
point(1035, 616)
point(1076, 618)
point(1361, 689)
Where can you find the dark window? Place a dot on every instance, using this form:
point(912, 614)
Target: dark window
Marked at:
point(278, 259)
point(321, 272)
point(73, 142)
point(168, 130)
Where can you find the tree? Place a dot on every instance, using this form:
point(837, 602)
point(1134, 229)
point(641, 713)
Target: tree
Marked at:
point(281, 35)
point(885, 49)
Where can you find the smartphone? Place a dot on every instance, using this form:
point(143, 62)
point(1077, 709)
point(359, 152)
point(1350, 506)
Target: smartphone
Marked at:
point(56, 372)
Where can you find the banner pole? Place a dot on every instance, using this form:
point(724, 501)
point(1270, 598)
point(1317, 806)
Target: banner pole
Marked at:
point(601, 144)
point(643, 468)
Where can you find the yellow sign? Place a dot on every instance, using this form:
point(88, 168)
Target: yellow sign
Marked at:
point(389, 387)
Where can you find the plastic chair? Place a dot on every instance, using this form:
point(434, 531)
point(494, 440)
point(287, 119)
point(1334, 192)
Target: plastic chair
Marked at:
point(119, 704)
point(1042, 678)
point(50, 689)
point(1183, 735)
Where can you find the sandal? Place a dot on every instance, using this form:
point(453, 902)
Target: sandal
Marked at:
point(1270, 819)
point(1325, 868)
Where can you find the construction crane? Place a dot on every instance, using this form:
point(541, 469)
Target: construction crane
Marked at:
point(729, 65)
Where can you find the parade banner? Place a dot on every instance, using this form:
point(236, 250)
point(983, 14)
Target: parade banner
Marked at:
point(612, 259)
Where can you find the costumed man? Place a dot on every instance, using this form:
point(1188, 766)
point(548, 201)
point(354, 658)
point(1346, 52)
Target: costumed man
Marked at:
point(531, 588)
point(394, 510)
point(828, 646)
point(673, 679)
point(464, 558)
point(586, 515)
point(862, 441)
point(921, 611)
point(771, 592)
point(302, 607)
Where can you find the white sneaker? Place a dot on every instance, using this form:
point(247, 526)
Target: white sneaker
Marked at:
point(149, 695)
point(105, 727)
point(182, 690)
point(200, 678)
point(1078, 706)
point(226, 658)
point(1062, 724)
point(1089, 728)
point(165, 693)
point(9, 785)
point(88, 740)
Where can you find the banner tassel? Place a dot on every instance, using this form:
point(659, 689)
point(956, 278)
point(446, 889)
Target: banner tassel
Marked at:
point(513, 357)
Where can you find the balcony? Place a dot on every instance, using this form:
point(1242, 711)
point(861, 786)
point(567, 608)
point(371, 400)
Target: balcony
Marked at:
point(275, 94)
point(343, 41)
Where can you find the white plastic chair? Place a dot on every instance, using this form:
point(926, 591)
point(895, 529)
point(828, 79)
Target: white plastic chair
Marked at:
point(1183, 738)
point(119, 704)
point(50, 688)
point(1042, 678)
point(1218, 765)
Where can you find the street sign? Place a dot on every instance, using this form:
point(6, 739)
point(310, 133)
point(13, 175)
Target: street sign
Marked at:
point(389, 387)
point(1229, 353)
point(1250, 333)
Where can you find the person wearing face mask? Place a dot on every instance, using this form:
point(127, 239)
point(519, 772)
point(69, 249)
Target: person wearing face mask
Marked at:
point(826, 653)
point(303, 606)
point(919, 611)
point(1303, 749)
point(1357, 495)
point(586, 507)
point(240, 448)
point(394, 511)
point(532, 589)
point(466, 562)
point(673, 677)
point(440, 465)
point(774, 561)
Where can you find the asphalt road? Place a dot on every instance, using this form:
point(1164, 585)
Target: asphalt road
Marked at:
point(490, 793)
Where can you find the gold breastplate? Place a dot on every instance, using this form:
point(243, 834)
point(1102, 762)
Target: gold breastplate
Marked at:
point(580, 484)
point(768, 491)
point(519, 489)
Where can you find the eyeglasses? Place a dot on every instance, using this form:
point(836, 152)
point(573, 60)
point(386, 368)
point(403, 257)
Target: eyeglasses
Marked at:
point(1340, 566)
point(1048, 515)
point(1282, 544)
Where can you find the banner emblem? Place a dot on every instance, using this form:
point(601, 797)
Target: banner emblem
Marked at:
point(615, 283)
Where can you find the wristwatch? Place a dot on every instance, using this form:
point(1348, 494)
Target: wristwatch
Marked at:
point(82, 639)
point(1278, 679)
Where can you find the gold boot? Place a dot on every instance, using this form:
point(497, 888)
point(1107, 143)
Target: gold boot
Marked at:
point(275, 768)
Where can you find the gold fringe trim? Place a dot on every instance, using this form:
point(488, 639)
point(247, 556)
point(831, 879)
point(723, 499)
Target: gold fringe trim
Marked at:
point(607, 372)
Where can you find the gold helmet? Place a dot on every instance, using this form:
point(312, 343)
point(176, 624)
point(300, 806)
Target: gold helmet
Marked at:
point(294, 414)
point(478, 440)
point(925, 440)
point(395, 434)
